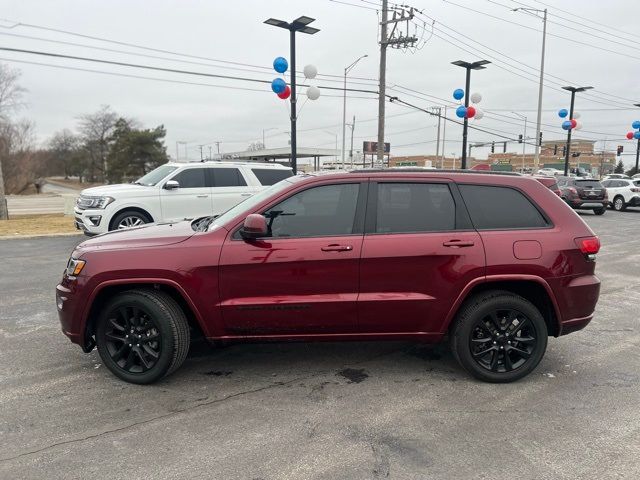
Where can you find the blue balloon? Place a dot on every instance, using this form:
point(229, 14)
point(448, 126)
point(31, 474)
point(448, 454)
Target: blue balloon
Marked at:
point(636, 135)
point(461, 111)
point(278, 85)
point(280, 64)
point(563, 113)
point(636, 124)
point(458, 93)
point(566, 125)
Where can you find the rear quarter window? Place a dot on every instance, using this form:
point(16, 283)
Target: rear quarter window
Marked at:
point(271, 176)
point(500, 208)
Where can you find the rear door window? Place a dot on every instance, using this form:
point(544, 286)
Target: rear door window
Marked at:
point(270, 176)
point(228, 177)
point(414, 207)
point(500, 208)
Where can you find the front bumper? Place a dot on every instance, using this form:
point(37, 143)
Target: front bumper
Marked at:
point(91, 222)
point(70, 304)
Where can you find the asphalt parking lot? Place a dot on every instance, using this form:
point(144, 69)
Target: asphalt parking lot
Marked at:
point(319, 411)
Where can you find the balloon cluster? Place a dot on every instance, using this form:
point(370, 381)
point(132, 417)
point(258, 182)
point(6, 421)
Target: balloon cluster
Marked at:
point(572, 123)
point(280, 87)
point(636, 126)
point(470, 111)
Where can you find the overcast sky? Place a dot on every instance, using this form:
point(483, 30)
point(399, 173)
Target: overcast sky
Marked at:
point(234, 32)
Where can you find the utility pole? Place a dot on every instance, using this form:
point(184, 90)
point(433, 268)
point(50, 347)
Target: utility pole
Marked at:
point(439, 110)
point(444, 137)
point(567, 151)
point(218, 147)
point(536, 158)
point(344, 104)
point(637, 148)
point(210, 154)
point(201, 157)
point(353, 127)
point(524, 137)
point(399, 41)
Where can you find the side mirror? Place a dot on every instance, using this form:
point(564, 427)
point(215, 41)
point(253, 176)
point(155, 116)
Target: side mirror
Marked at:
point(171, 185)
point(255, 226)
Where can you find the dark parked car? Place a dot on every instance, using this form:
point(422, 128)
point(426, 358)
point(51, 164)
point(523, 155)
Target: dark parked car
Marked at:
point(584, 194)
point(496, 263)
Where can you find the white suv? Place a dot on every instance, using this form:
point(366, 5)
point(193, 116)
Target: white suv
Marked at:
point(173, 192)
point(623, 192)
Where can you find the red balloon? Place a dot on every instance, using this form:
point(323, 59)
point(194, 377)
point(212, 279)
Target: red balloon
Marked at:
point(574, 122)
point(629, 135)
point(285, 93)
point(471, 112)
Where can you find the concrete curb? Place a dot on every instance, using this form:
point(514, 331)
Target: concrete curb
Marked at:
point(39, 235)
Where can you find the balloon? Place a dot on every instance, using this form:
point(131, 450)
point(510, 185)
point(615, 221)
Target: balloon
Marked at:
point(637, 135)
point(636, 124)
point(476, 97)
point(574, 123)
point(629, 135)
point(578, 124)
point(576, 115)
point(285, 94)
point(566, 125)
point(563, 113)
point(313, 93)
point(479, 114)
point(461, 111)
point(278, 85)
point(310, 72)
point(458, 93)
point(471, 111)
point(280, 64)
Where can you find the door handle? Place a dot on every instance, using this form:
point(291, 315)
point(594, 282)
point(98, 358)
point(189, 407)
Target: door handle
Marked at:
point(202, 196)
point(336, 248)
point(458, 243)
point(245, 194)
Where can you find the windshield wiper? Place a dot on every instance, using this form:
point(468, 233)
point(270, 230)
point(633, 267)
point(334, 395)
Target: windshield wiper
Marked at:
point(138, 183)
point(205, 222)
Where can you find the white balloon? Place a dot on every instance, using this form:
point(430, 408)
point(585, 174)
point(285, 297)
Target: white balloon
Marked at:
point(313, 93)
point(578, 125)
point(476, 97)
point(576, 115)
point(479, 114)
point(310, 71)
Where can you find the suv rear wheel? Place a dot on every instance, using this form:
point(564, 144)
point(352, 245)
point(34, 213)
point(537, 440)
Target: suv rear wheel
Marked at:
point(499, 337)
point(142, 336)
point(618, 204)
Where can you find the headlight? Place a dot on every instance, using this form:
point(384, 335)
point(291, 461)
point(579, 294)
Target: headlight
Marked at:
point(74, 267)
point(93, 202)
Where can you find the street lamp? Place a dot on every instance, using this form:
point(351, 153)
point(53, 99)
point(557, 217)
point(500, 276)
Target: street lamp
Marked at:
point(344, 103)
point(264, 146)
point(536, 158)
point(567, 152)
point(300, 24)
point(524, 137)
point(479, 65)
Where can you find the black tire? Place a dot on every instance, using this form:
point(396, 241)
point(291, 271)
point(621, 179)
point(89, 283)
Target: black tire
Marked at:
point(468, 337)
point(618, 204)
point(137, 219)
point(149, 317)
point(599, 211)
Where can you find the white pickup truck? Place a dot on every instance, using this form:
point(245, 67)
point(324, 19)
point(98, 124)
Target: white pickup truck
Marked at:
point(173, 192)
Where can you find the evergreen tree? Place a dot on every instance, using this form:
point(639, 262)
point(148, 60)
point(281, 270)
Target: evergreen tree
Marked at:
point(619, 167)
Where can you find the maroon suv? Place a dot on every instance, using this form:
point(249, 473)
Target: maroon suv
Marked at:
point(495, 262)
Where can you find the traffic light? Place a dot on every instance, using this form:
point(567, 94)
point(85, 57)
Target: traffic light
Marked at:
point(520, 138)
point(620, 150)
point(540, 140)
point(504, 147)
point(493, 147)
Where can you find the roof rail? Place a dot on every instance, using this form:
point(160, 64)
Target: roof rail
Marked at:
point(432, 170)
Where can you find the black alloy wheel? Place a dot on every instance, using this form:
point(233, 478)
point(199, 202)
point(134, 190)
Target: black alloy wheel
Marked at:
point(503, 340)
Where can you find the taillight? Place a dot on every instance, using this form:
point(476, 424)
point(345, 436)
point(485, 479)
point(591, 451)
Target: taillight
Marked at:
point(635, 190)
point(588, 245)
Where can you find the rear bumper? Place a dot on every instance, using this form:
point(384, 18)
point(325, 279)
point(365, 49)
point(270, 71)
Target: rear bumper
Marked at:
point(574, 325)
point(578, 301)
point(581, 203)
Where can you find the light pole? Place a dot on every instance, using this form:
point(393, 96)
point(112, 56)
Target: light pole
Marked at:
point(264, 146)
point(352, 126)
point(536, 158)
point(524, 137)
point(300, 24)
point(479, 65)
point(567, 152)
point(344, 104)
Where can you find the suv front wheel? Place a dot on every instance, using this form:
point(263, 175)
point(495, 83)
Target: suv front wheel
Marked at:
point(129, 219)
point(499, 337)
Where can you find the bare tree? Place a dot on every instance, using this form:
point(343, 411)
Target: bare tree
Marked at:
point(96, 129)
point(11, 95)
point(64, 147)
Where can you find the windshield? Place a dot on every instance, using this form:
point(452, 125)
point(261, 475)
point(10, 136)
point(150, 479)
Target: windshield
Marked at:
point(252, 201)
point(154, 176)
